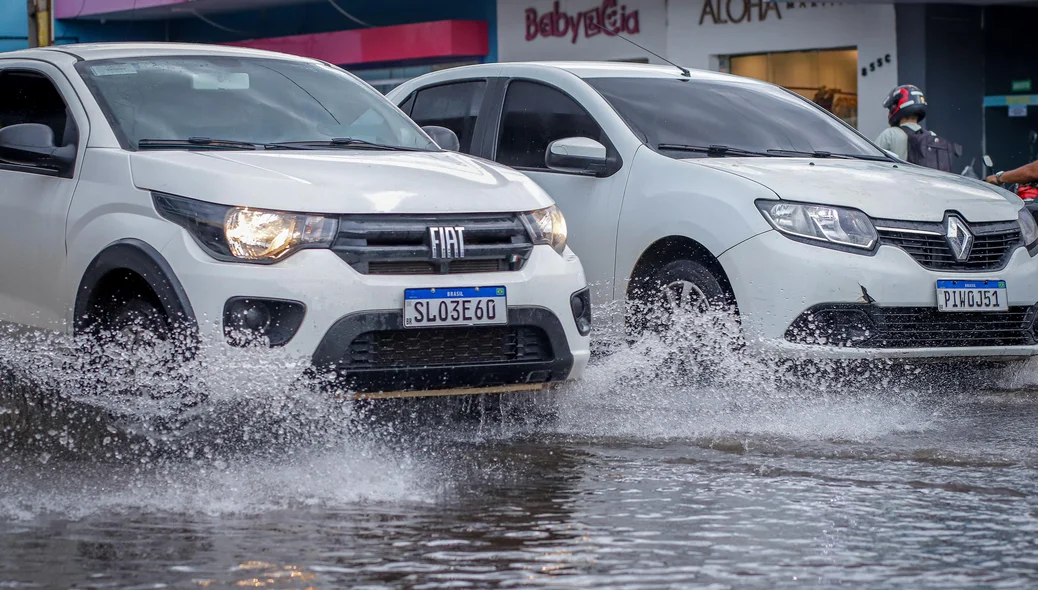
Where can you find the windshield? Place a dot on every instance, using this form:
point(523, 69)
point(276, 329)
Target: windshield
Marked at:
point(737, 114)
point(259, 101)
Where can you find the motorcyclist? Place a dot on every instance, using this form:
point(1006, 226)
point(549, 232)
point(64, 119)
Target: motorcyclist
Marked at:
point(906, 107)
point(1025, 174)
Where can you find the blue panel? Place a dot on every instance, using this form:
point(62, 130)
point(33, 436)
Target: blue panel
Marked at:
point(1014, 99)
point(971, 284)
point(454, 292)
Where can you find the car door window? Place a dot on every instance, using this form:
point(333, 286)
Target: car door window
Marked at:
point(30, 97)
point(535, 115)
point(407, 105)
point(454, 106)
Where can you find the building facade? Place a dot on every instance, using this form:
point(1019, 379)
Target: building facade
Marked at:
point(976, 63)
point(838, 55)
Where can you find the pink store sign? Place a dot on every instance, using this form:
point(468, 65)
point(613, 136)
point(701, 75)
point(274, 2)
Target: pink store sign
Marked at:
point(608, 18)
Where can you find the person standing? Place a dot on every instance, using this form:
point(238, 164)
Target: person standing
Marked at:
point(906, 108)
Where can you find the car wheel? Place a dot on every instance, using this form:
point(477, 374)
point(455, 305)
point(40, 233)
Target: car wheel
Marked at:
point(691, 314)
point(678, 288)
point(138, 324)
point(142, 355)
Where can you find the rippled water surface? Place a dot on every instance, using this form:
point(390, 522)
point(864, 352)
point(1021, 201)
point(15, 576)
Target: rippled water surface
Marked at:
point(878, 479)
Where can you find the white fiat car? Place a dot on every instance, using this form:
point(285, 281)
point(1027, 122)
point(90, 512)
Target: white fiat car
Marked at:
point(280, 202)
point(685, 188)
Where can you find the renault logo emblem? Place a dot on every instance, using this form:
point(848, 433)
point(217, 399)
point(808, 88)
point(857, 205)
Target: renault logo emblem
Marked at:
point(960, 240)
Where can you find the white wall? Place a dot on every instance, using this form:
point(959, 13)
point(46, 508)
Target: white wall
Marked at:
point(869, 27)
point(513, 45)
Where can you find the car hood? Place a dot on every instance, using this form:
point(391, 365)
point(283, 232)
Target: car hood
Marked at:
point(339, 181)
point(882, 190)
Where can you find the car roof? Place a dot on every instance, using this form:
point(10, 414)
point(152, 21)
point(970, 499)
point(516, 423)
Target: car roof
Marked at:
point(98, 51)
point(594, 69)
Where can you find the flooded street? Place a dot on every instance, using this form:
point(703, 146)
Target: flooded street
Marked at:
point(641, 482)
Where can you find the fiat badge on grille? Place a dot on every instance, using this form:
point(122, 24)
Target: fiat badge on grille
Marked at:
point(447, 242)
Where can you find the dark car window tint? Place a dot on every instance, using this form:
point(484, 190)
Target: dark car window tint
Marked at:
point(407, 105)
point(454, 106)
point(734, 113)
point(536, 115)
point(29, 97)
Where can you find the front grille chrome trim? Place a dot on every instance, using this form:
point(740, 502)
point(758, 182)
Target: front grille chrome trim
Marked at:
point(993, 244)
point(399, 244)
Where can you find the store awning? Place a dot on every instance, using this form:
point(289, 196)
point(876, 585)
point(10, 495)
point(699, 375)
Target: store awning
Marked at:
point(437, 40)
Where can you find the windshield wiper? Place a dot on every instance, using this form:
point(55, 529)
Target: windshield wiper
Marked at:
point(343, 142)
point(824, 154)
point(810, 154)
point(197, 142)
point(209, 143)
point(714, 151)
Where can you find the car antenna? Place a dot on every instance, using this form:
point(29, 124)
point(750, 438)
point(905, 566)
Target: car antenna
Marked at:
point(684, 70)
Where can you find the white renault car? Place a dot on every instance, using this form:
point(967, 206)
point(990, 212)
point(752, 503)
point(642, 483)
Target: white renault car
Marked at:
point(686, 188)
point(281, 201)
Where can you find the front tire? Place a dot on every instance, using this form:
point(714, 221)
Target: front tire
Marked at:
point(139, 353)
point(678, 287)
point(689, 316)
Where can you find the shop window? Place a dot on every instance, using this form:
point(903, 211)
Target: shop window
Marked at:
point(454, 106)
point(30, 97)
point(536, 115)
point(829, 78)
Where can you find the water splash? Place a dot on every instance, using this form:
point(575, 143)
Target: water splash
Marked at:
point(328, 477)
point(698, 380)
point(80, 435)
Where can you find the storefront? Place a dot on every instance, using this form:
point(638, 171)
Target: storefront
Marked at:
point(385, 43)
point(842, 56)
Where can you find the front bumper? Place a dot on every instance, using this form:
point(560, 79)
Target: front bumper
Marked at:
point(372, 351)
point(776, 280)
point(342, 304)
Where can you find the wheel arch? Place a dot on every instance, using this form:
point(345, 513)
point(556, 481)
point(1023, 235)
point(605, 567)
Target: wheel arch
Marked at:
point(137, 260)
point(676, 247)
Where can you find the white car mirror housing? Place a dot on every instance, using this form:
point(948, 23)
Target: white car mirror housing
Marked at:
point(580, 155)
point(32, 144)
point(445, 138)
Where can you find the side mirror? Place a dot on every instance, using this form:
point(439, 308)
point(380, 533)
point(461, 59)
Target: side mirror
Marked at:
point(445, 138)
point(32, 144)
point(579, 155)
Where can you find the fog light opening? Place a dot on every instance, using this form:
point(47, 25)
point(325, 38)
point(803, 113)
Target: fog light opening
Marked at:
point(580, 305)
point(268, 322)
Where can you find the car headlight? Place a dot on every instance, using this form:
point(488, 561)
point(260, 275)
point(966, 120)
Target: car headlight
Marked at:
point(821, 224)
point(1028, 227)
point(547, 226)
point(269, 235)
point(241, 233)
